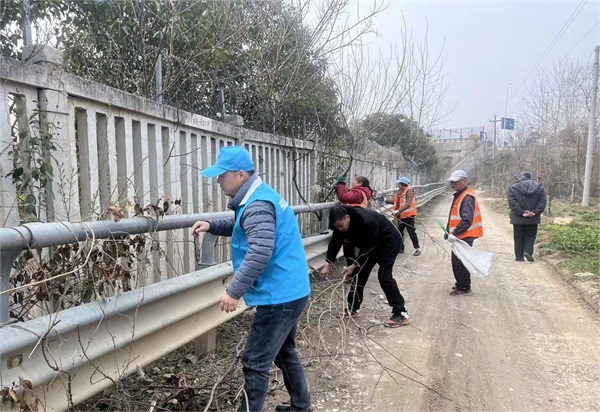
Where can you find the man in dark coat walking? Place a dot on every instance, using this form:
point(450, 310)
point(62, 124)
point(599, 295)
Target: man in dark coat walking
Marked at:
point(527, 201)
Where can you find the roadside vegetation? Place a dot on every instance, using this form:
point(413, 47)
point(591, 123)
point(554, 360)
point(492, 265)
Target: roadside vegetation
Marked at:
point(575, 245)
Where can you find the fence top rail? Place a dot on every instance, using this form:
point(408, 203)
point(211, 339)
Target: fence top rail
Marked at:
point(38, 76)
point(39, 235)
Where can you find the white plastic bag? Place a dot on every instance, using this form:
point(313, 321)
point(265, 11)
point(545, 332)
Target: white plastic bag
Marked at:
point(476, 261)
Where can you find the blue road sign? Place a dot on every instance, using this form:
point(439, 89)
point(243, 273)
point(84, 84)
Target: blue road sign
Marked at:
point(507, 123)
point(482, 135)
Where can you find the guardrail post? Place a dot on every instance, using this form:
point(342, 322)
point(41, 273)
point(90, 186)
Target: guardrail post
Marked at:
point(7, 259)
point(208, 252)
point(206, 343)
point(324, 221)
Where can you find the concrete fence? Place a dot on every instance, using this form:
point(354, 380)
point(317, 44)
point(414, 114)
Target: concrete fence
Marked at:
point(114, 148)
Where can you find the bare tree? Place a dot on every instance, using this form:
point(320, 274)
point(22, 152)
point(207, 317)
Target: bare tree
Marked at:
point(555, 112)
point(425, 84)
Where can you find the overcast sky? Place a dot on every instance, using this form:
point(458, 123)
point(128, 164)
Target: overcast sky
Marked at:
point(490, 44)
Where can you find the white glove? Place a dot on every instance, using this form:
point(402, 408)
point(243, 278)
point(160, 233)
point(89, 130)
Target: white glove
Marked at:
point(452, 238)
point(395, 212)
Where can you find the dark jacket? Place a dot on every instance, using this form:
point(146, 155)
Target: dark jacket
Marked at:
point(526, 195)
point(369, 231)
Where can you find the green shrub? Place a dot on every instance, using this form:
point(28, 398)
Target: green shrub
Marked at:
point(575, 238)
point(590, 217)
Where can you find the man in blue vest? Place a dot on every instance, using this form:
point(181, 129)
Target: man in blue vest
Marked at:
point(270, 272)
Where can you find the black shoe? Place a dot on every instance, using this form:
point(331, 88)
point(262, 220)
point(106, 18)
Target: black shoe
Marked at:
point(520, 260)
point(528, 257)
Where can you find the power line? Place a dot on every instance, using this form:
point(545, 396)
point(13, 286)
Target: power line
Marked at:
point(550, 46)
point(584, 36)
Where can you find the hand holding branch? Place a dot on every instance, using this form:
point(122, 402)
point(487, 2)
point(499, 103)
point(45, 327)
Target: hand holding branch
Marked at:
point(349, 271)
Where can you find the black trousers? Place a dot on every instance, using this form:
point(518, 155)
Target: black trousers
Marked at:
point(461, 274)
point(385, 258)
point(524, 236)
point(409, 224)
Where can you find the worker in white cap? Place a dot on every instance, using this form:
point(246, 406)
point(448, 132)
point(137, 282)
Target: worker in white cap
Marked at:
point(464, 223)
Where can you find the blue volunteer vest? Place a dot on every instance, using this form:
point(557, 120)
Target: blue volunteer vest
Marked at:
point(285, 278)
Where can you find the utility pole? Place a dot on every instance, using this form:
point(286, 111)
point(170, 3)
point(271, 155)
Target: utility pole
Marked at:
point(26, 23)
point(587, 179)
point(494, 148)
point(158, 77)
point(222, 93)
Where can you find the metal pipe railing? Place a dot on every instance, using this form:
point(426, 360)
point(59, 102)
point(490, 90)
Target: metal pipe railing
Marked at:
point(14, 240)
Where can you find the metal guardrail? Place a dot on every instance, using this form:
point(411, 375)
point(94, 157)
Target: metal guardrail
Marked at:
point(71, 355)
point(14, 240)
point(432, 190)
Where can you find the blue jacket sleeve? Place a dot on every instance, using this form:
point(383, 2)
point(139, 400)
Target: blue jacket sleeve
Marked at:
point(222, 226)
point(258, 222)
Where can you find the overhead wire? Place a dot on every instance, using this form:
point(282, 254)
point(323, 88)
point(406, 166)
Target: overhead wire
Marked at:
point(584, 36)
point(560, 33)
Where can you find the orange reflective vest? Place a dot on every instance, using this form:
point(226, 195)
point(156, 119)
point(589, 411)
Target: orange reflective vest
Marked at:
point(400, 202)
point(476, 228)
point(363, 204)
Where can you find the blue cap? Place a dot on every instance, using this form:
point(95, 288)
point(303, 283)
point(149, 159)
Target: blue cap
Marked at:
point(231, 158)
point(404, 180)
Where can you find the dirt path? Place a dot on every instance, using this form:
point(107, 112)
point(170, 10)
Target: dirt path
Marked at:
point(521, 341)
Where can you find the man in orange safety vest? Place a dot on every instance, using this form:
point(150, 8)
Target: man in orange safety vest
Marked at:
point(464, 223)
